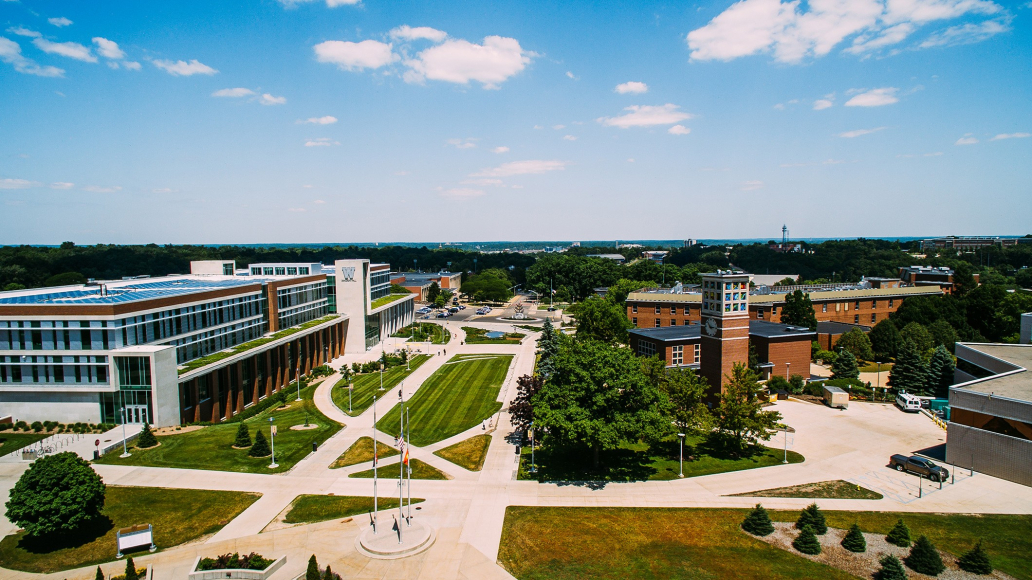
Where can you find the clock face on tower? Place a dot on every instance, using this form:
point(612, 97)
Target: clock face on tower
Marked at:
point(711, 327)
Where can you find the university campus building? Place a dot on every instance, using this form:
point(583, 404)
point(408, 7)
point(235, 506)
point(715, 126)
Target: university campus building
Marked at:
point(419, 282)
point(185, 348)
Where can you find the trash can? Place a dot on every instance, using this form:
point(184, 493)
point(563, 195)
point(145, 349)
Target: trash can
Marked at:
point(315, 446)
point(96, 454)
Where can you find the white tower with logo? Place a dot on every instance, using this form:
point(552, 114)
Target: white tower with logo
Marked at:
point(352, 287)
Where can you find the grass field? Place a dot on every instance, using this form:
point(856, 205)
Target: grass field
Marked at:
point(362, 451)
point(460, 395)
point(308, 509)
point(178, 516)
point(11, 442)
point(368, 385)
point(875, 367)
point(420, 470)
point(837, 489)
point(423, 331)
point(479, 336)
point(639, 462)
point(212, 447)
point(469, 454)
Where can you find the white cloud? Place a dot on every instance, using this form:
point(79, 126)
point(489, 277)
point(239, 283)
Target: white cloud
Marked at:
point(61, 185)
point(22, 31)
point(406, 32)
point(163, 190)
point(267, 99)
point(468, 143)
point(233, 93)
point(318, 202)
point(329, 3)
point(355, 55)
point(751, 185)
point(630, 160)
point(569, 138)
point(530, 167)
point(10, 52)
point(570, 75)
point(888, 37)
point(131, 65)
point(874, 98)
point(969, 33)
point(461, 61)
point(860, 132)
point(327, 120)
point(60, 22)
point(821, 104)
point(462, 192)
point(17, 184)
point(67, 49)
point(321, 142)
point(558, 127)
point(181, 68)
point(296, 209)
point(483, 182)
point(108, 48)
point(1011, 136)
point(646, 116)
point(632, 87)
point(679, 130)
point(500, 149)
point(966, 141)
point(99, 189)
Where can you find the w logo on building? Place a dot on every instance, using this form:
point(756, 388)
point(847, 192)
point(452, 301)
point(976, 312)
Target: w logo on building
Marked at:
point(347, 274)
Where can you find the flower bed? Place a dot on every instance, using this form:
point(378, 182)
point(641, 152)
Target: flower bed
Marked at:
point(234, 566)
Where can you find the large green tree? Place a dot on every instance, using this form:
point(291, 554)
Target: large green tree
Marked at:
point(598, 397)
point(492, 284)
point(601, 319)
point(739, 417)
point(56, 495)
point(856, 342)
point(916, 333)
point(940, 372)
point(548, 346)
point(885, 340)
point(909, 373)
point(798, 310)
point(618, 292)
point(686, 391)
point(845, 366)
point(433, 292)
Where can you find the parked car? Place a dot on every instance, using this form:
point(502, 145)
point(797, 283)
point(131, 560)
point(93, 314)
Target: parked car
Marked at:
point(425, 316)
point(481, 311)
point(453, 309)
point(551, 309)
point(920, 466)
point(908, 403)
point(462, 306)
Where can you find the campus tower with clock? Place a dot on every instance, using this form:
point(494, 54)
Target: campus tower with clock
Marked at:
point(725, 325)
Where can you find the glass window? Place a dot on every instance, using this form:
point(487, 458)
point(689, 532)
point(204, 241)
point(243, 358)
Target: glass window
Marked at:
point(657, 309)
point(267, 271)
point(874, 318)
point(292, 271)
point(634, 308)
point(658, 321)
point(280, 271)
point(824, 307)
point(304, 270)
point(856, 319)
point(634, 321)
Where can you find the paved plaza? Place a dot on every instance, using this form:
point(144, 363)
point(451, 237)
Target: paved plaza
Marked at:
point(468, 509)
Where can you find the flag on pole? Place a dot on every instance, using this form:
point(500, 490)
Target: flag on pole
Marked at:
point(405, 460)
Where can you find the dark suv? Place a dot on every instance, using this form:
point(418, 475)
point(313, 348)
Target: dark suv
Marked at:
point(920, 466)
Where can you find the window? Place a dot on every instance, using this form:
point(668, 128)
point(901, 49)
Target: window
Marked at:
point(256, 271)
point(856, 319)
point(874, 304)
point(890, 302)
point(646, 348)
point(657, 309)
point(673, 310)
point(697, 349)
point(634, 308)
point(874, 318)
point(857, 306)
point(759, 313)
point(824, 307)
point(304, 270)
point(267, 271)
point(677, 355)
point(292, 271)
point(280, 271)
point(634, 321)
point(658, 323)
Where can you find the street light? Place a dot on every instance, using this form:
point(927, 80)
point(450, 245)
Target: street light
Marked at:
point(681, 459)
point(125, 450)
point(533, 464)
point(272, 437)
point(351, 388)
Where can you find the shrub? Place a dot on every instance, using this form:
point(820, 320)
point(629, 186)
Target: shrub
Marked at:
point(260, 448)
point(313, 569)
point(796, 384)
point(976, 561)
point(235, 561)
point(891, 569)
point(5, 426)
point(899, 535)
point(826, 357)
point(100, 574)
point(243, 436)
point(21, 425)
point(321, 371)
point(757, 522)
point(147, 438)
point(56, 495)
point(778, 383)
point(330, 574)
point(813, 517)
point(807, 542)
point(37, 426)
point(845, 366)
point(924, 558)
point(854, 540)
point(130, 570)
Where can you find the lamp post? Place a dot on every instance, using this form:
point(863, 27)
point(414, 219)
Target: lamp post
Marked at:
point(533, 464)
point(351, 389)
point(125, 449)
point(299, 373)
point(786, 445)
point(272, 438)
point(681, 455)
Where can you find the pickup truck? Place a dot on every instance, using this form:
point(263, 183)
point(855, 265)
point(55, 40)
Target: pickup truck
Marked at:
point(920, 466)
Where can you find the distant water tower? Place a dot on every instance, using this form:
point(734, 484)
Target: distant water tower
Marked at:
point(784, 235)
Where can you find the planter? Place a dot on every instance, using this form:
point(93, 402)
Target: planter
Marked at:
point(236, 573)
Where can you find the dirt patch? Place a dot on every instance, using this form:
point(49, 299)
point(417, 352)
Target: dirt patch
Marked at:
point(837, 489)
point(177, 430)
point(304, 427)
point(865, 564)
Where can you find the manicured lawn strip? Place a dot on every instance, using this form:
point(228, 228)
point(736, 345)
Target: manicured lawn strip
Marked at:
point(212, 447)
point(421, 331)
point(215, 357)
point(837, 489)
point(11, 442)
point(478, 336)
point(469, 454)
point(654, 543)
point(362, 451)
point(638, 462)
point(386, 300)
point(178, 516)
point(420, 470)
point(308, 509)
point(458, 396)
point(368, 385)
point(1005, 537)
point(875, 367)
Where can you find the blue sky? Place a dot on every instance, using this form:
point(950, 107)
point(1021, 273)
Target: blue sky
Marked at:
point(334, 121)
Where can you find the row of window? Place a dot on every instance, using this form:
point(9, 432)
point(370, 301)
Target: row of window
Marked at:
point(54, 374)
point(280, 270)
point(677, 354)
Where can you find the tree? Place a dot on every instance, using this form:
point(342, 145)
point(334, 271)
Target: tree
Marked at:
point(492, 284)
point(891, 569)
point(549, 345)
point(601, 319)
point(739, 416)
point(100, 574)
point(909, 373)
point(976, 561)
point(433, 292)
point(260, 447)
point(807, 542)
point(940, 372)
point(147, 438)
point(924, 558)
point(854, 540)
point(812, 516)
point(845, 366)
point(329, 574)
point(797, 383)
point(440, 301)
point(758, 522)
point(1023, 277)
point(313, 569)
point(686, 391)
point(899, 535)
point(130, 570)
point(943, 334)
point(521, 409)
point(798, 310)
point(885, 340)
point(916, 333)
point(243, 436)
point(598, 397)
point(856, 343)
point(618, 292)
point(56, 495)
point(778, 383)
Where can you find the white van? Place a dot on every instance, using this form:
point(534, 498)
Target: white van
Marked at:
point(908, 403)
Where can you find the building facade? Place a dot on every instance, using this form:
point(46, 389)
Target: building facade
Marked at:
point(363, 291)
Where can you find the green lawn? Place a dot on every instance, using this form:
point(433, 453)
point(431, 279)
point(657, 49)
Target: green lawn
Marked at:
point(11, 442)
point(423, 331)
point(639, 462)
point(479, 336)
point(470, 453)
point(178, 516)
point(643, 543)
point(875, 367)
point(420, 470)
point(460, 395)
point(837, 489)
point(362, 451)
point(308, 509)
point(215, 357)
point(212, 447)
point(368, 385)
point(386, 300)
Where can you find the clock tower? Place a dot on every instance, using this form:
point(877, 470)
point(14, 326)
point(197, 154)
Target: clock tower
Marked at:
point(725, 325)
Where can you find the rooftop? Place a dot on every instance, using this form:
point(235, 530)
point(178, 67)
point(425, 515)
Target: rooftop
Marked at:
point(767, 295)
point(1017, 385)
point(756, 328)
point(830, 327)
point(125, 291)
point(425, 277)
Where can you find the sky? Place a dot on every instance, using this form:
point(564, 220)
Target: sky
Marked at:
point(278, 121)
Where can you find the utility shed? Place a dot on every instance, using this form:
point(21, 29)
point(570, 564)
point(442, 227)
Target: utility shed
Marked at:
point(835, 397)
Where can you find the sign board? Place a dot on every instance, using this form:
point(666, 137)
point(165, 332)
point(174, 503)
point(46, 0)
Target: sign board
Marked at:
point(273, 429)
point(97, 442)
point(135, 537)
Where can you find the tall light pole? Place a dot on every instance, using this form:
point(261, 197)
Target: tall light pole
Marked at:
point(408, 466)
point(272, 437)
point(125, 449)
point(681, 453)
point(401, 464)
point(351, 389)
point(786, 445)
point(375, 444)
point(533, 464)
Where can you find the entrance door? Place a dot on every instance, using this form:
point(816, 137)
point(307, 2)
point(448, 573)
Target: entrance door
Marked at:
point(136, 414)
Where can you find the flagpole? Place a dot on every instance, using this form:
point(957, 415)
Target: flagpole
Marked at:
point(408, 466)
point(374, 464)
point(401, 467)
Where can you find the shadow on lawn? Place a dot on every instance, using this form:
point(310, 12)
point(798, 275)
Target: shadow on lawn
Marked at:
point(91, 531)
